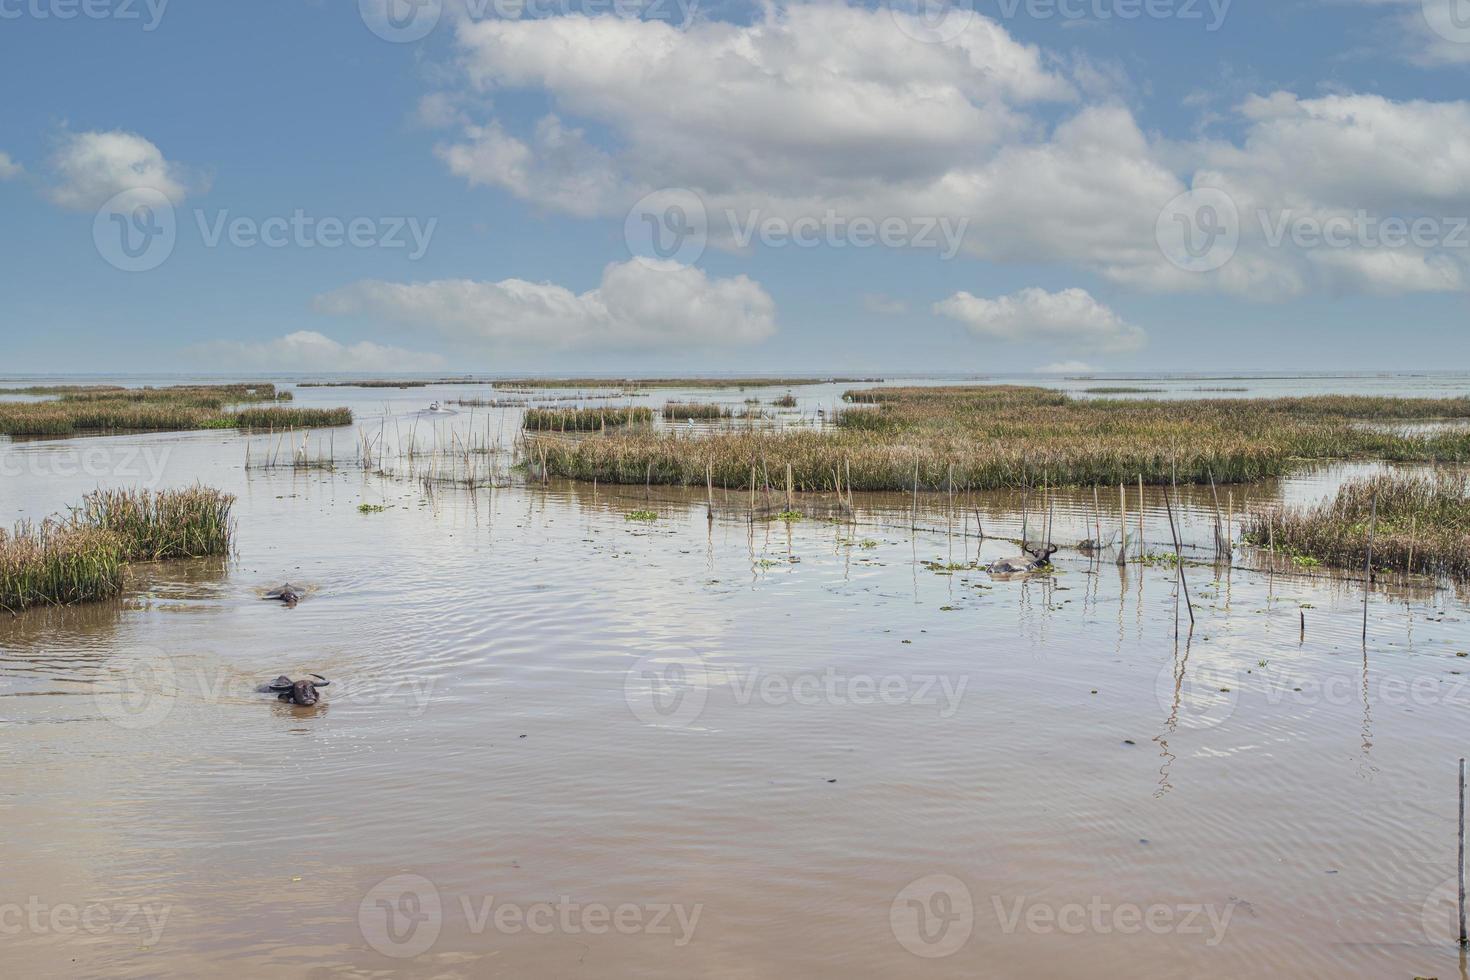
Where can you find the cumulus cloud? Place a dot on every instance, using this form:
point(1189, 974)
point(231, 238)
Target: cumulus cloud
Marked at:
point(9, 168)
point(307, 350)
point(558, 169)
point(1070, 318)
point(89, 168)
point(638, 305)
point(818, 108)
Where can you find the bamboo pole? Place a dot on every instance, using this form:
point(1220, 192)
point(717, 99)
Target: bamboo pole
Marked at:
point(1368, 584)
point(1122, 525)
point(1179, 558)
point(1464, 940)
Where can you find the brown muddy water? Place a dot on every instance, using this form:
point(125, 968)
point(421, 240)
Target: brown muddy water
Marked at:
point(558, 741)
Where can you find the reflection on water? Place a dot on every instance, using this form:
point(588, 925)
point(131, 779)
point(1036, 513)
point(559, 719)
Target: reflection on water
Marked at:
point(560, 740)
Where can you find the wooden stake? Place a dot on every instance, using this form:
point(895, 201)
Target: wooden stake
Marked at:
point(1464, 940)
point(790, 499)
point(1368, 585)
point(1179, 557)
point(914, 507)
point(1122, 526)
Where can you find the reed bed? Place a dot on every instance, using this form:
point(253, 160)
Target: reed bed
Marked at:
point(704, 411)
point(1001, 436)
point(785, 401)
point(58, 563)
point(583, 419)
point(109, 409)
point(162, 524)
point(692, 382)
point(1422, 525)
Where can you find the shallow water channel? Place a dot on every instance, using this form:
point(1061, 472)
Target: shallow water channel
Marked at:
point(560, 740)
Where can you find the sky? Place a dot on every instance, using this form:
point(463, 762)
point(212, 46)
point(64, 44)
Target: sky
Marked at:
point(466, 186)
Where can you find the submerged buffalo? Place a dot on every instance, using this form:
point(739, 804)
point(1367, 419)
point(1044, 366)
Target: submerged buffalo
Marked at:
point(297, 692)
point(1023, 564)
point(288, 593)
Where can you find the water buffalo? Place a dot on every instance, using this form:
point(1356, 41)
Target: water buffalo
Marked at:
point(1023, 564)
point(288, 593)
point(297, 692)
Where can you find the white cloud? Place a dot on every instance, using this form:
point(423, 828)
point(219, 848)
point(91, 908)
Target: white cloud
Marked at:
point(1066, 367)
point(1070, 318)
point(307, 350)
point(558, 169)
point(817, 108)
point(9, 168)
point(89, 168)
point(639, 305)
point(1432, 33)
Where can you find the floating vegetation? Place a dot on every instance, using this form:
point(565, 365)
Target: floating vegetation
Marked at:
point(704, 411)
point(1422, 525)
point(111, 409)
point(583, 419)
point(370, 508)
point(789, 516)
point(995, 437)
point(640, 515)
point(162, 524)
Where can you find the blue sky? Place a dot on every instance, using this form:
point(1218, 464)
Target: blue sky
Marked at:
point(492, 165)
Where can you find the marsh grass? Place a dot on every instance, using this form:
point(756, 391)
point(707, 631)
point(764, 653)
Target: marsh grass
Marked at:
point(1423, 526)
point(110, 409)
point(162, 524)
point(785, 401)
point(583, 419)
point(1001, 436)
point(704, 411)
point(58, 563)
point(691, 382)
point(81, 559)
